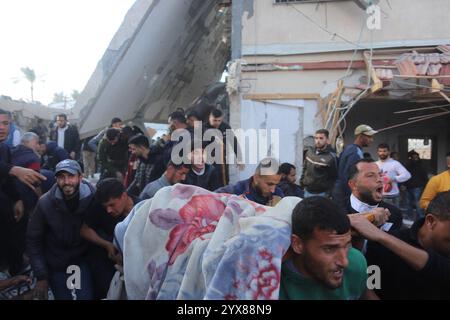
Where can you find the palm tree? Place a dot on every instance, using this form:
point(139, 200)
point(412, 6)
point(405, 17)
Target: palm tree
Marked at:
point(59, 97)
point(75, 95)
point(31, 77)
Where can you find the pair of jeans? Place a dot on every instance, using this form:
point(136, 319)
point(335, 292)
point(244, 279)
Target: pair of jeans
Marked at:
point(414, 195)
point(89, 163)
point(103, 270)
point(394, 200)
point(59, 286)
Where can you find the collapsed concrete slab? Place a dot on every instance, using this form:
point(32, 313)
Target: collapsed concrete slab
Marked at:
point(163, 56)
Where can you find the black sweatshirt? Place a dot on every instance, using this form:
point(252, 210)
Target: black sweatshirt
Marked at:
point(7, 186)
point(400, 281)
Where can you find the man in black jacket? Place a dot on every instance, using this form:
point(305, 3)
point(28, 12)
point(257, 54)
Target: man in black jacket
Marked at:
point(66, 136)
point(179, 133)
point(7, 170)
point(287, 182)
point(112, 205)
point(12, 207)
point(54, 242)
point(51, 154)
point(415, 185)
point(215, 121)
point(414, 263)
point(113, 154)
point(319, 167)
point(11, 214)
point(147, 165)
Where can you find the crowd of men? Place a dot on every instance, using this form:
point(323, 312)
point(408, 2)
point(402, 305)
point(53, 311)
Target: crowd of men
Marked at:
point(52, 217)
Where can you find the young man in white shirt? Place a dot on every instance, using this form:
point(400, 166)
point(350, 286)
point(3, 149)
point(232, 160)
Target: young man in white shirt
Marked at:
point(392, 173)
point(66, 136)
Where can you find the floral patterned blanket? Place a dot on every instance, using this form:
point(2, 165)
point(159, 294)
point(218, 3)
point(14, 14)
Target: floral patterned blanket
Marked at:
point(190, 243)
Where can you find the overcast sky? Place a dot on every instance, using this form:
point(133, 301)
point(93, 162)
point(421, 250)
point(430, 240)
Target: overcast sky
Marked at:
point(62, 40)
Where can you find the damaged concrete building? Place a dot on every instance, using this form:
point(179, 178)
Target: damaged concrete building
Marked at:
point(316, 64)
point(165, 54)
point(295, 66)
point(26, 115)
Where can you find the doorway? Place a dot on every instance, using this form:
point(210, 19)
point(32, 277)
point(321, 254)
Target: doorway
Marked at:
point(424, 145)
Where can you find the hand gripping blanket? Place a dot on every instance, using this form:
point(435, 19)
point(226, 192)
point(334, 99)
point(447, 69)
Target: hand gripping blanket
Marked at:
point(190, 243)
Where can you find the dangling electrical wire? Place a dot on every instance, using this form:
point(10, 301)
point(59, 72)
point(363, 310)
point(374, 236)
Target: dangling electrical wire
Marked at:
point(347, 72)
point(363, 93)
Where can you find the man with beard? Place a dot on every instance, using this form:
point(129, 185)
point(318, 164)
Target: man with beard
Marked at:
point(392, 173)
point(262, 187)
point(415, 262)
point(323, 265)
point(53, 237)
point(352, 153)
point(319, 167)
point(367, 192)
point(287, 183)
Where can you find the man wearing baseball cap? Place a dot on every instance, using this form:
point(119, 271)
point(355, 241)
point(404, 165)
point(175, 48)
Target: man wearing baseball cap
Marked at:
point(54, 242)
point(365, 130)
point(351, 154)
